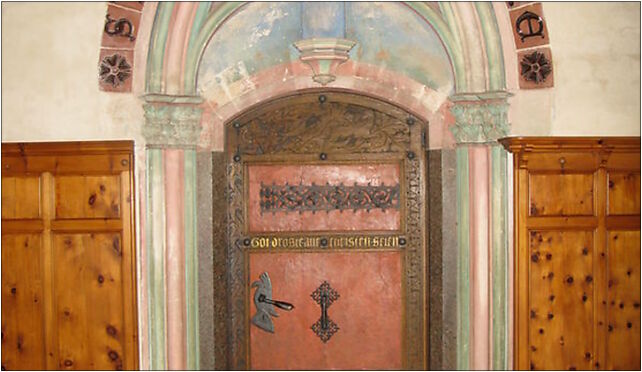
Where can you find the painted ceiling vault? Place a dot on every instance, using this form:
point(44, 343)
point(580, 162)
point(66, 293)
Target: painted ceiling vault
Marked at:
point(261, 37)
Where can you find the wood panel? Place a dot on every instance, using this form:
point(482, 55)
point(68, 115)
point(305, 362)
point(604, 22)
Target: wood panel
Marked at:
point(561, 299)
point(20, 197)
point(623, 342)
point(89, 297)
point(23, 344)
point(88, 197)
point(73, 203)
point(624, 193)
point(561, 195)
point(577, 233)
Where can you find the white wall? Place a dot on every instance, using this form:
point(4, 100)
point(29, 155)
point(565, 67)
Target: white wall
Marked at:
point(596, 61)
point(50, 76)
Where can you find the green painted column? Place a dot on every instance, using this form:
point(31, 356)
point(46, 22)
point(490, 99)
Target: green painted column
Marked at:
point(481, 119)
point(463, 263)
point(499, 254)
point(155, 248)
point(172, 127)
point(191, 261)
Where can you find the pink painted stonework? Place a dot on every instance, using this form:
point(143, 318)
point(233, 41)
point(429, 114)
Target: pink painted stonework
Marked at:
point(377, 219)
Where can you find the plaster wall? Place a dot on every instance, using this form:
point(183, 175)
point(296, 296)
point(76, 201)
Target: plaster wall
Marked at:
point(50, 89)
point(596, 60)
point(50, 76)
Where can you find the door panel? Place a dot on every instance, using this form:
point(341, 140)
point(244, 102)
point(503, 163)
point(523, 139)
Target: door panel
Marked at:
point(623, 309)
point(23, 344)
point(325, 188)
point(68, 256)
point(368, 312)
point(92, 265)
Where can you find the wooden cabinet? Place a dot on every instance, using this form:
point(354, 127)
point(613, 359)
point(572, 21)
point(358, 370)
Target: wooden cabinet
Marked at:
point(577, 252)
point(68, 268)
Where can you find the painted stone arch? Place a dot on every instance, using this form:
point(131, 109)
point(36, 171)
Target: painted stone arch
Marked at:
point(197, 49)
point(457, 82)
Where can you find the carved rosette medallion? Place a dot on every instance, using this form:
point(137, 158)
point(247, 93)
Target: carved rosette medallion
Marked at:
point(338, 126)
point(114, 70)
point(535, 67)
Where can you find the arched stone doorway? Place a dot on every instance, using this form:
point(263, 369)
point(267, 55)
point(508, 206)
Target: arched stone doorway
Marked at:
point(183, 120)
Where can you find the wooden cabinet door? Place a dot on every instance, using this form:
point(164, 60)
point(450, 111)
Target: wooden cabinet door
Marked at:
point(577, 253)
point(68, 269)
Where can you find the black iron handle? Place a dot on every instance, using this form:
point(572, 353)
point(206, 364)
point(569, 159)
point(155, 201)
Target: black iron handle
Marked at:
point(280, 304)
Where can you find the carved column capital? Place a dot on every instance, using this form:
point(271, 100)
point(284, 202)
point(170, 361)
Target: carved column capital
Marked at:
point(172, 121)
point(480, 118)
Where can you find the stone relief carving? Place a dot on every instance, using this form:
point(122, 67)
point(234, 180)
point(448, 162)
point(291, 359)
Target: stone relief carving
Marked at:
point(535, 67)
point(172, 125)
point(114, 70)
point(480, 122)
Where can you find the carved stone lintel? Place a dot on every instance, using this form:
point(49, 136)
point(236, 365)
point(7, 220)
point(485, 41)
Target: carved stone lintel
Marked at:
point(480, 122)
point(171, 124)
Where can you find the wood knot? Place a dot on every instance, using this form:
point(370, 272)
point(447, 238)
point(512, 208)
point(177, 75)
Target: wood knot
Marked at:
point(92, 199)
point(587, 355)
point(569, 279)
point(629, 324)
point(533, 314)
point(101, 279)
point(102, 189)
point(589, 279)
point(116, 245)
point(535, 257)
point(621, 305)
point(13, 290)
point(636, 305)
point(112, 355)
point(551, 275)
point(111, 330)
point(550, 316)
point(68, 363)
point(610, 327)
point(584, 297)
point(551, 298)
point(572, 368)
point(541, 331)
point(585, 251)
point(549, 256)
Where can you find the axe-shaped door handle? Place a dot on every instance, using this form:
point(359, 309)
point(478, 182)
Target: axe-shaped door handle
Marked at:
point(265, 304)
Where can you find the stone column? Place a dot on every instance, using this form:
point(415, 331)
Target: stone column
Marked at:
point(481, 229)
point(171, 130)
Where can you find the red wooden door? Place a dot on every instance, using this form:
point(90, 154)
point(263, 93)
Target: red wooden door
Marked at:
point(325, 195)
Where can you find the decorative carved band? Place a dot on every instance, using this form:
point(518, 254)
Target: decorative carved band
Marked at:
point(172, 125)
point(315, 198)
point(329, 127)
point(480, 122)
